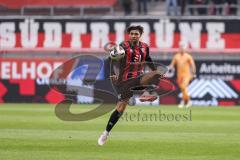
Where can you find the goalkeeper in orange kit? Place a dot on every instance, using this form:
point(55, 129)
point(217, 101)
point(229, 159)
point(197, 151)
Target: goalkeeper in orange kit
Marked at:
point(186, 71)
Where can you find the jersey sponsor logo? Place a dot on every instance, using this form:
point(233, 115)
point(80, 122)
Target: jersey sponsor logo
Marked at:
point(216, 88)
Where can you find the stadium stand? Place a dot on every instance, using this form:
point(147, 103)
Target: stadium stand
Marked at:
point(117, 7)
point(54, 7)
point(212, 7)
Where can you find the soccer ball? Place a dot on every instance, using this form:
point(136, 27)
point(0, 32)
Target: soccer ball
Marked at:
point(117, 52)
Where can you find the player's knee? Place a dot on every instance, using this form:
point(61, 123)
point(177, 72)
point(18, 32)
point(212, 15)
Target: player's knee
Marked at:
point(155, 74)
point(150, 78)
point(155, 79)
point(181, 88)
point(120, 109)
point(121, 106)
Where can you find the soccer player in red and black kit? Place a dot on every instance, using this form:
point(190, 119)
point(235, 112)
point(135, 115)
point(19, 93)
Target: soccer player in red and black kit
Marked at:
point(131, 75)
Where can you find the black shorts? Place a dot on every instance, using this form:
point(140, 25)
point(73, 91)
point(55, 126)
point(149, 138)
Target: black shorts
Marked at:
point(124, 88)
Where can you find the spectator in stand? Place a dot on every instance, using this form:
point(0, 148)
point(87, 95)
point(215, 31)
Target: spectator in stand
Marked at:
point(191, 10)
point(142, 4)
point(217, 7)
point(232, 5)
point(171, 5)
point(182, 5)
point(127, 6)
point(201, 10)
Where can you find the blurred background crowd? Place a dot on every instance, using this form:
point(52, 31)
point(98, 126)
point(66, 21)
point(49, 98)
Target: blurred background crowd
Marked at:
point(120, 7)
point(181, 7)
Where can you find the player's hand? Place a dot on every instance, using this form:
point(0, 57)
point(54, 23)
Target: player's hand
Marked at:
point(137, 58)
point(194, 75)
point(114, 77)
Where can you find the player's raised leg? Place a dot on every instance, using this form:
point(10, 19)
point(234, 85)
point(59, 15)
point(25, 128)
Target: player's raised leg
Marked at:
point(148, 79)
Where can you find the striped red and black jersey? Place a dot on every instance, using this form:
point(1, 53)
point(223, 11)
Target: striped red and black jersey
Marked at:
point(132, 65)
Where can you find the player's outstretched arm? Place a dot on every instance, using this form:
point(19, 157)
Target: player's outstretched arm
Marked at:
point(193, 66)
point(173, 63)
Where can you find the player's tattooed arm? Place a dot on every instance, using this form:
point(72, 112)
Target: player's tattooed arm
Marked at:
point(150, 61)
point(114, 70)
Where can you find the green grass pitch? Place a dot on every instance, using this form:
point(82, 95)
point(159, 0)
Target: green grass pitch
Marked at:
point(33, 132)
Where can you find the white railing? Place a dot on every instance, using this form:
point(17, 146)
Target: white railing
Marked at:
point(53, 9)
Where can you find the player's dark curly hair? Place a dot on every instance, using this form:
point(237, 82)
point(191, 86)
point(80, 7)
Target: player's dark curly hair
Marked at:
point(139, 28)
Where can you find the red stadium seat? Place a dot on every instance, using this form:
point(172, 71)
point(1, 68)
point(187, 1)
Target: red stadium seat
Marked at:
point(17, 4)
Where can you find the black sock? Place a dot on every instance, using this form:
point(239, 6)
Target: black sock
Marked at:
point(113, 120)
